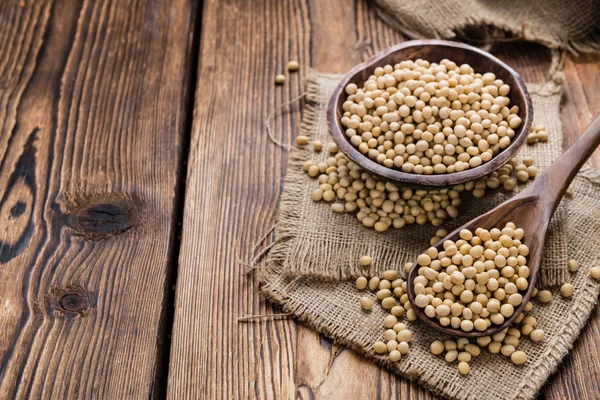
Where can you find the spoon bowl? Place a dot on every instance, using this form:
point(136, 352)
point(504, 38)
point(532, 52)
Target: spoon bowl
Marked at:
point(434, 51)
point(530, 210)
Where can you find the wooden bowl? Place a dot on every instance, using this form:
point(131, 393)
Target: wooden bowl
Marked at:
point(433, 51)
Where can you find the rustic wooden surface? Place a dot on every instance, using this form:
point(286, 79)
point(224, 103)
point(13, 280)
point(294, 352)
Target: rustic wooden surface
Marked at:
point(93, 101)
point(235, 177)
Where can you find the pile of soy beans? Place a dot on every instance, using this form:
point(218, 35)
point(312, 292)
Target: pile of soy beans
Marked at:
point(391, 291)
point(383, 205)
point(476, 281)
point(429, 118)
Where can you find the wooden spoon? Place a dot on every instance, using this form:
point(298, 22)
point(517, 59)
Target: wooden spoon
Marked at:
point(530, 210)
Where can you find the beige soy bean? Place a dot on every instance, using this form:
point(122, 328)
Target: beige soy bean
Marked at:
point(395, 355)
point(464, 356)
point(389, 321)
point(403, 348)
point(380, 348)
point(389, 334)
point(464, 368)
point(573, 264)
point(366, 303)
point(361, 283)
point(293, 66)
point(518, 357)
point(374, 283)
point(451, 356)
point(544, 296)
point(566, 290)
point(437, 347)
point(365, 261)
point(279, 79)
point(537, 335)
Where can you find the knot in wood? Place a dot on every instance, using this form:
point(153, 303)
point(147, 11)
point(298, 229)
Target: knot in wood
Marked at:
point(103, 219)
point(74, 302)
point(100, 216)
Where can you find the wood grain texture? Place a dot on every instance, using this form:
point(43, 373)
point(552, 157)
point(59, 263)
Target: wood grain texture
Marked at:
point(92, 106)
point(235, 177)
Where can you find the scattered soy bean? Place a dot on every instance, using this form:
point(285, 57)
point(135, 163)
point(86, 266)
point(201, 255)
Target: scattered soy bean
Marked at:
point(573, 264)
point(361, 283)
point(366, 303)
point(301, 140)
point(293, 65)
point(518, 357)
point(507, 350)
point(389, 335)
point(390, 274)
point(451, 356)
point(279, 79)
point(389, 321)
point(403, 348)
point(374, 283)
point(380, 347)
point(544, 296)
point(395, 355)
point(365, 261)
point(537, 335)
point(566, 290)
point(464, 368)
point(437, 347)
point(537, 133)
point(404, 336)
point(595, 272)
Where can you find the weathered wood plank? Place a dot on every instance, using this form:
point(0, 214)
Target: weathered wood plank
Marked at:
point(234, 181)
point(92, 109)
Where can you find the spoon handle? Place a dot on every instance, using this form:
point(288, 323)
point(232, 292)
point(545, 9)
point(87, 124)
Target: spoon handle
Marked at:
point(552, 185)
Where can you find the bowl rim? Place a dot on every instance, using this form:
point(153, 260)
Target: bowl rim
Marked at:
point(397, 176)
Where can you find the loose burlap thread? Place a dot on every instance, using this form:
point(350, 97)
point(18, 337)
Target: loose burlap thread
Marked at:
point(306, 270)
point(557, 24)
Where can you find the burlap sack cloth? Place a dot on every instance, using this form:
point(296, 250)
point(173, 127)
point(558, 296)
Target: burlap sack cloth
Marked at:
point(316, 250)
point(567, 24)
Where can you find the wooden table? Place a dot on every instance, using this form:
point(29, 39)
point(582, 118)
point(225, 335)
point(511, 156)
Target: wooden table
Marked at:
point(100, 213)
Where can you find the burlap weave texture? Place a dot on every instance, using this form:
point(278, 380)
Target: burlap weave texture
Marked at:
point(572, 25)
point(327, 245)
point(298, 279)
